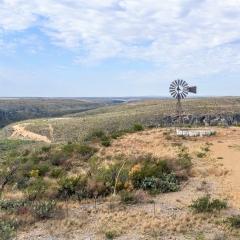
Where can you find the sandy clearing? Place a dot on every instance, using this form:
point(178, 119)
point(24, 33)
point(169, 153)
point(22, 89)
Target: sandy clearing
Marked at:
point(21, 133)
point(231, 160)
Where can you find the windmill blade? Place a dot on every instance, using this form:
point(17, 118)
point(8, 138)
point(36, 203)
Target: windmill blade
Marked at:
point(174, 95)
point(184, 94)
point(172, 88)
point(173, 84)
point(181, 82)
point(192, 89)
point(185, 84)
point(178, 82)
point(172, 92)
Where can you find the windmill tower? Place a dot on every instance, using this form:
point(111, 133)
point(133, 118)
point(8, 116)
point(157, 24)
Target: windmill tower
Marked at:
point(179, 89)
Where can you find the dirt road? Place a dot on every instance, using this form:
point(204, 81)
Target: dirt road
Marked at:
point(21, 133)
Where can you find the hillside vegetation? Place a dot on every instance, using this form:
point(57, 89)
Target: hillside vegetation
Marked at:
point(114, 118)
point(147, 184)
point(18, 109)
point(108, 173)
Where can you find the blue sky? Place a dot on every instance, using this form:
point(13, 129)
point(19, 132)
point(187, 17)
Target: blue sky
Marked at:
point(76, 48)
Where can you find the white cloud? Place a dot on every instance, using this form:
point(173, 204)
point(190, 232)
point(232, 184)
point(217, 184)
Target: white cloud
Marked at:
point(187, 35)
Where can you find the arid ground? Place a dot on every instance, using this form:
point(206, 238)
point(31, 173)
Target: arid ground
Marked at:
point(215, 171)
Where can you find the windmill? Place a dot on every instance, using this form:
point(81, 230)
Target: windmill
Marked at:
point(179, 89)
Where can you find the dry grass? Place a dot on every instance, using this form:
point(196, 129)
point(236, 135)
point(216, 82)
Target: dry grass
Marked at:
point(163, 216)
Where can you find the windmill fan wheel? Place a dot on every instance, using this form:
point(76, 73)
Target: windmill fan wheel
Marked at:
point(179, 89)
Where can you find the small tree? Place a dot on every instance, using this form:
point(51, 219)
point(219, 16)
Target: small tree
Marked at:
point(8, 172)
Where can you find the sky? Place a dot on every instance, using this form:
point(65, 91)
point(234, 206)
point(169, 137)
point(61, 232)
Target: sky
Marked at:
point(118, 48)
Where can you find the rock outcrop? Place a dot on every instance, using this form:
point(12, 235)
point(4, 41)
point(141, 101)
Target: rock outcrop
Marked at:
point(202, 119)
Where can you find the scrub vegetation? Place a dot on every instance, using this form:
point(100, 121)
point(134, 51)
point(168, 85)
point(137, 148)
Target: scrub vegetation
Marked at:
point(106, 174)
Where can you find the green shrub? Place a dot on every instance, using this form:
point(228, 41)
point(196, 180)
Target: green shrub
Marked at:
point(201, 155)
point(94, 134)
point(185, 161)
point(85, 152)
point(108, 175)
point(204, 204)
point(115, 135)
point(182, 137)
point(137, 127)
point(235, 221)
point(58, 158)
point(149, 170)
point(126, 197)
point(7, 229)
point(206, 149)
point(69, 185)
point(43, 210)
point(168, 137)
point(56, 173)
point(25, 152)
point(36, 190)
point(46, 148)
point(43, 168)
point(167, 183)
point(35, 158)
point(68, 149)
point(176, 144)
point(97, 133)
point(10, 205)
point(106, 143)
point(110, 235)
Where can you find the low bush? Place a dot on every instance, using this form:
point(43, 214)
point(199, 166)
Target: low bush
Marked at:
point(68, 149)
point(235, 221)
point(46, 148)
point(85, 152)
point(167, 183)
point(70, 185)
point(182, 137)
point(43, 168)
point(110, 235)
point(7, 229)
point(56, 173)
point(106, 143)
point(185, 161)
point(10, 205)
point(94, 134)
point(115, 135)
point(137, 127)
point(126, 197)
point(139, 174)
point(205, 204)
point(25, 152)
point(58, 158)
point(35, 190)
point(201, 155)
point(43, 210)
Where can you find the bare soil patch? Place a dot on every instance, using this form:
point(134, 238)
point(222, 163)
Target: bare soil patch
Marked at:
point(21, 133)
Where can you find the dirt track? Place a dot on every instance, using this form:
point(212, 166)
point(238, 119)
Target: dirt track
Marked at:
point(21, 133)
